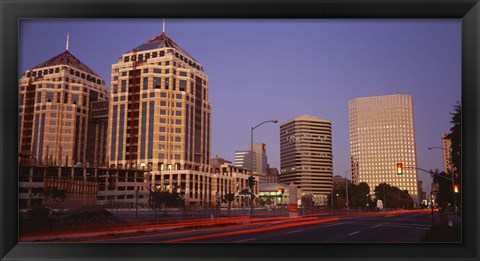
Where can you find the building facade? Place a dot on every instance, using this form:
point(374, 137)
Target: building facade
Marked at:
point(273, 176)
point(382, 135)
point(306, 155)
point(260, 154)
point(447, 153)
point(160, 119)
point(243, 159)
point(55, 123)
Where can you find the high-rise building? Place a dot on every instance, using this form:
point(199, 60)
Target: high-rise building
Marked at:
point(306, 155)
point(160, 119)
point(243, 159)
point(447, 153)
point(260, 154)
point(382, 135)
point(159, 111)
point(55, 106)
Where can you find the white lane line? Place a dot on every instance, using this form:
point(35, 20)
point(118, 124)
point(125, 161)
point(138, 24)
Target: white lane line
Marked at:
point(422, 228)
point(356, 232)
point(295, 231)
point(377, 226)
point(389, 225)
point(337, 224)
point(244, 240)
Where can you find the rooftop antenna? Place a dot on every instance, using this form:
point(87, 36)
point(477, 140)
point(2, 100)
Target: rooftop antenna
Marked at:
point(163, 25)
point(68, 36)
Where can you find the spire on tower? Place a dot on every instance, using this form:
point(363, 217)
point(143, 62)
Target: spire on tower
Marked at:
point(68, 36)
point(163, 25)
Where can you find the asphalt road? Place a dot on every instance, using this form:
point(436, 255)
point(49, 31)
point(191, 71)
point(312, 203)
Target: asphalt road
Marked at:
point(397, 227)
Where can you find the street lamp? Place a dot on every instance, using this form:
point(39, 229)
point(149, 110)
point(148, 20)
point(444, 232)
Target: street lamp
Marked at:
point(251, 157)
point(346, 187)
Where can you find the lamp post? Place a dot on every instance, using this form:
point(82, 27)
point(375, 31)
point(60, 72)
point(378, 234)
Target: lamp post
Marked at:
point(251, 158)
point(346, 188)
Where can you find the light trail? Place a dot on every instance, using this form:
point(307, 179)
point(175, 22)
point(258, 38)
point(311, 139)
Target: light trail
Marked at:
point(254, 230)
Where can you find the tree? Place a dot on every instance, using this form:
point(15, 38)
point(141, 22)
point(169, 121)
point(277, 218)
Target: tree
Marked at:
point(57, 195)
point(455, 136)
point(393, 197)
point(160, 199)
point(229, 198)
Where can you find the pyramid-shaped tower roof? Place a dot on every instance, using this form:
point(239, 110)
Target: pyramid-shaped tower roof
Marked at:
point(160, 41)
point(66, 58)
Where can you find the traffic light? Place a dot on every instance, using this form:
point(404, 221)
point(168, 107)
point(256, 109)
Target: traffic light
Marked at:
point(251, 181)
point(399, 168)
point(455, 188)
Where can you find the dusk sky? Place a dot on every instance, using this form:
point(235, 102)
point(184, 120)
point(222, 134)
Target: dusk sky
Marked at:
point(279, 69)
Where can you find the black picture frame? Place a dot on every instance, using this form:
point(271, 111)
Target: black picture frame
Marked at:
point(10, 13)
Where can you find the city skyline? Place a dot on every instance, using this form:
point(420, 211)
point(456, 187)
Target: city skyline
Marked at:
point(428, 55)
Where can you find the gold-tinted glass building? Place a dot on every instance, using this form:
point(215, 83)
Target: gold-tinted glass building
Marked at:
point(382, 135)
point(55, 99)
point(306, 155)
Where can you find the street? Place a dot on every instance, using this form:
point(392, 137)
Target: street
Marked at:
point(385, 227)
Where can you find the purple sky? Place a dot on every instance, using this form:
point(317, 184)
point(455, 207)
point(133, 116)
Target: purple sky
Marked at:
point(279, 69)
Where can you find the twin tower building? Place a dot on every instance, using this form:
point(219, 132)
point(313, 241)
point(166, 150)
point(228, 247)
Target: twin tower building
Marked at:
point(157, 117)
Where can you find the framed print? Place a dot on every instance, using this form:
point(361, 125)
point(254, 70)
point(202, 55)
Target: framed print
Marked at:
point(239, 130)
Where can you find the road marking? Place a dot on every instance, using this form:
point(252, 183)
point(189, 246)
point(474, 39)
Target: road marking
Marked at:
point(295, 231)
point(376, 226)
point(244, 240)
point(337, 224)
point(356, 232)
point(422, 228)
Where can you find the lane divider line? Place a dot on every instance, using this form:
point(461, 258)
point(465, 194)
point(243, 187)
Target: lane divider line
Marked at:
point(356, 232)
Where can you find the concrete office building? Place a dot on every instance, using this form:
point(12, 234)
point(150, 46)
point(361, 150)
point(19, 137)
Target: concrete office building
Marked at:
point(55, 122)
point(306, 155)
point(382, 135)
point(243, 159)
point(260, 154)
point(447, 153)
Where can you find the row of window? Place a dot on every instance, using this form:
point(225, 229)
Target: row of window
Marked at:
point(88, 77)
point(145, 56)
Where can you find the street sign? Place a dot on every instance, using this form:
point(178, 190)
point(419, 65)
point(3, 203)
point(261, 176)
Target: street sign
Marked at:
point(293, 207)
point(379, 204)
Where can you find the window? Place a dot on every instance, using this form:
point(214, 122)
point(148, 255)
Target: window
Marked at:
point(167, 83)
point(167, 71)
point(39, 97)
point(162, 129)
point(145, 83)
point(145, 70)
point(183, 73)
point(163, 112)
point(156, 82)
point(183, 85)
point(163, 103)
point(156, 70)
point(124, 85)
